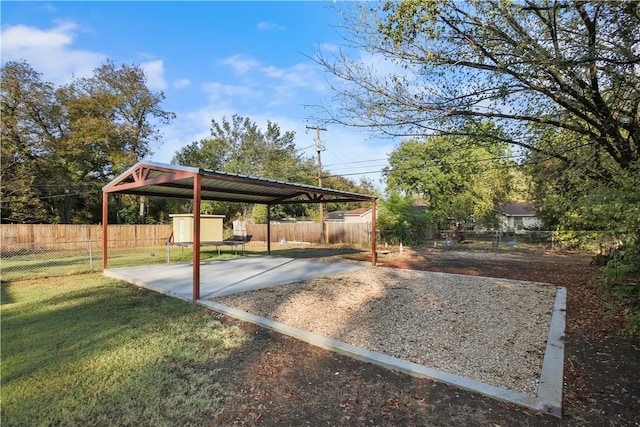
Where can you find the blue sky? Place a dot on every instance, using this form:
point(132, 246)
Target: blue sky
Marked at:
point(211, 60)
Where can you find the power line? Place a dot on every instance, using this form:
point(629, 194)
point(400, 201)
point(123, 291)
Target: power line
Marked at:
point(359, 161)
point(462, 162)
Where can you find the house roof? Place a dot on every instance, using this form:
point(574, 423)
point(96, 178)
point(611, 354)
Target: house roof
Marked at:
point(519, 208)
point(358, 212)
point(335, 215)
point(165, 180)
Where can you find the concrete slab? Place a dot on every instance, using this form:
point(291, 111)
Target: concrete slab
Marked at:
point(225, 277)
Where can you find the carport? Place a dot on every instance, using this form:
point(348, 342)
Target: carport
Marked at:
point(174, 181)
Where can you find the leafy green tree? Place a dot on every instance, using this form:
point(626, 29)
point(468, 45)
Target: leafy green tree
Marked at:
point(26, 117)
point(533, 67)
point(71, 140)
point(364, 186)
point(240, 146)
point(259, 214)
point(402, 220)
point(460, 181)
point(560, 78)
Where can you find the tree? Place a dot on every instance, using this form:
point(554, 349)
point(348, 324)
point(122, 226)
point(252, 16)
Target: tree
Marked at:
point(459, 181)
point(240, 146)
point(559, 77)
point(336, 182)
point(400, 218)
point(69, 141)
point(533, 67)
point(25, 116)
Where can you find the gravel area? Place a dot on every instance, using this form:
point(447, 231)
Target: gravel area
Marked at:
point(491, 330)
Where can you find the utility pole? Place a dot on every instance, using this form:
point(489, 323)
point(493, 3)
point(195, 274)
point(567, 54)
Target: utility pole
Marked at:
point(319, 148)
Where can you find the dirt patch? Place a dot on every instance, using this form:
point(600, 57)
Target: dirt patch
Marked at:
point(277, 380)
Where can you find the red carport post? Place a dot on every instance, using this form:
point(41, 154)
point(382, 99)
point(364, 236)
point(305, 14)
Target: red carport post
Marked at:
point(269, 229)
point(373, 233)
point(105, 221)
point(197, 181)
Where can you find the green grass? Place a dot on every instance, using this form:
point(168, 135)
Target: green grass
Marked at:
point(87, 350)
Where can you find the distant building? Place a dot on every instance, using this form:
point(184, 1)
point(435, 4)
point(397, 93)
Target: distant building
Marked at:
point(519, 215)
point(335, 216)
point(358, 216)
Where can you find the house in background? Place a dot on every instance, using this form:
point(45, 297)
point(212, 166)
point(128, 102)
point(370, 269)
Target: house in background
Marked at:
point(519, 215)
point(335, 216)
point(358, 216)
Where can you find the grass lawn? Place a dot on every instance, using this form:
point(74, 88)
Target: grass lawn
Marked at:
point(87, 350)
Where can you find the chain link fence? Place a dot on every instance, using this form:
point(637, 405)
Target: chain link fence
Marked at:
point(597, 242)
point(32, 260)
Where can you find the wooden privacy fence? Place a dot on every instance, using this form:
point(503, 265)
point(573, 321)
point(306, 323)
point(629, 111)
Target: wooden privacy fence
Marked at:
point(335, 232)
point(76, 236)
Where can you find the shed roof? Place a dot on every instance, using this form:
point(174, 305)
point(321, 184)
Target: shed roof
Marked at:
point(165, 180)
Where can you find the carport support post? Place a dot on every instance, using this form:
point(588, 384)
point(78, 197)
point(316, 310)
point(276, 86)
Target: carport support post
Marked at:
point(197, 181)
point(105, 221)
point(373, 233)
point(269, 229)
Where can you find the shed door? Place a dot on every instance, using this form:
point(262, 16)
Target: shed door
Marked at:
point(181, 230)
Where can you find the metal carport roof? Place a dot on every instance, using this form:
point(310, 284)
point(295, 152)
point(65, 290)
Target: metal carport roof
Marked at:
point(165, 180)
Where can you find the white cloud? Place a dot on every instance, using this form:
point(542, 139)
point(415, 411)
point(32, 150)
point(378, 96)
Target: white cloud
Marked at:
point(272, 85)
point(191, 126)
point(329, 47)
point(49, 51)
point(181, 83)
point(154, 70)
point(226, 94)
point(241, 64)
point(269, 26)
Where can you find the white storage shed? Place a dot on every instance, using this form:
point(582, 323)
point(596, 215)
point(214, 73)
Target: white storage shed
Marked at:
point(211, 228)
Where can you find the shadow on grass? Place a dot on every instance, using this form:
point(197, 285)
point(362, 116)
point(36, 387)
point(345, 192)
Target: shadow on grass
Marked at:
point(5, 297)
point(99, 353)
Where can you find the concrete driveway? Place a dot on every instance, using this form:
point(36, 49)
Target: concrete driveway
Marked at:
point(227, 277)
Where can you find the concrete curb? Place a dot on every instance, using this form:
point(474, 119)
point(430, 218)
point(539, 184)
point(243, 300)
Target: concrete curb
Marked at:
point(551, 377)
point(548, 399)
